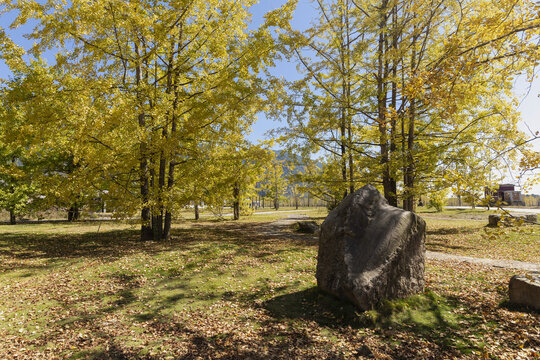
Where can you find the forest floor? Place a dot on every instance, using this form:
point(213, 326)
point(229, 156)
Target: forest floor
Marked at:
point(227, 290)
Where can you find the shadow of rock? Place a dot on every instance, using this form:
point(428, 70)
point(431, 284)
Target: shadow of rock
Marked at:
point(428, 316)
point(313, 305)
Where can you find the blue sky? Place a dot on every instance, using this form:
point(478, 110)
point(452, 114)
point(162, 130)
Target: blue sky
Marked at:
point(526, 92)
point(305, 12)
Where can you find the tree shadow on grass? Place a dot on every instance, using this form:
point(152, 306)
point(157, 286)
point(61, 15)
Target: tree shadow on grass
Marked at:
point(112, 244)
point(111, 352)
point(156, 304)
point(443, 246)
point(452, 231)
point(103, 244)
point(279, 341)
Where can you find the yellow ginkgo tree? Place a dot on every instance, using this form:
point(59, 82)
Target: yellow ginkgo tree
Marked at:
point(393, 89)
point(164, 78)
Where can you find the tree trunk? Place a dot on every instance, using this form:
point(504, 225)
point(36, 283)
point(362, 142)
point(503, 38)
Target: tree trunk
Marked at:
point(408, 177)
point(347, 92)
point(169, 163)
point(156, 223)
point(236, 202)
point(276, 198)
point(74, 213)
point(161, 183)
point(146, 226)
point(12, 217)
point(382, 72)
point(392, 182)
point(196, 207)
point(343, 111)
point(343, 152)
point(167, 225)
point(157, 227)
point(351, 161)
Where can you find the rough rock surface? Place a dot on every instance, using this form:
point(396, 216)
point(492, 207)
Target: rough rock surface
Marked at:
point(525, 290)
point(369, 250)
point(308, 227)
point(493, 220)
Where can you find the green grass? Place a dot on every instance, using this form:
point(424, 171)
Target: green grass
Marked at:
point(260, 213)
point(480, 213)
point(225, 289)
point(473, 238)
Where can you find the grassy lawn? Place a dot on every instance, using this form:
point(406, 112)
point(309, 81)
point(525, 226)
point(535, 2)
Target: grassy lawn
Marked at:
point(480, 213)
point(473, 238)
point(225, 290)
point(267, 213)
point(205, 213)
point(464, 232)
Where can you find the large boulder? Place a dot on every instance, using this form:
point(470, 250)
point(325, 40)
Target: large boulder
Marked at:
point(308, 227)
point(525, 290)
point(493, 220)
point(369, 250)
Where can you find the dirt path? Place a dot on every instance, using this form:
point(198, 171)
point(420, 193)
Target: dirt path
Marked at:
point(289, 220)
point(275, 228)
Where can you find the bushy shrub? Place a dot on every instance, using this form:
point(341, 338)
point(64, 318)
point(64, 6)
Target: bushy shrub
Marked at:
point(245, 208)
point(437, 200)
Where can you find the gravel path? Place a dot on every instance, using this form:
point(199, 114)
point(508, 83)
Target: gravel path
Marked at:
point(290, 219)
point(276, 228)
point(507, 264)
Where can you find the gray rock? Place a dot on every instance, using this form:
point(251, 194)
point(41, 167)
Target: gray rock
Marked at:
point(493, 220)
point(531, 218)
point(369, 250)
point(308, 227)
point(525, 290)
